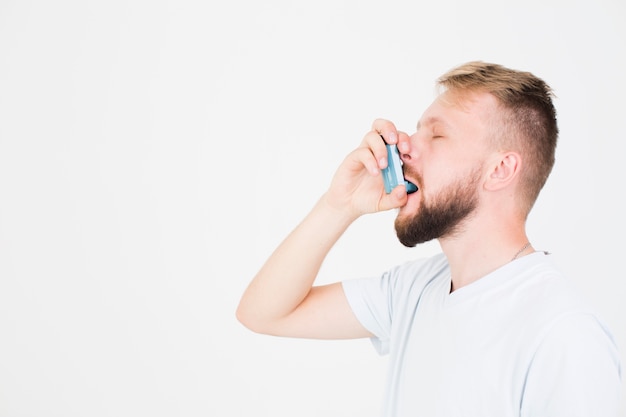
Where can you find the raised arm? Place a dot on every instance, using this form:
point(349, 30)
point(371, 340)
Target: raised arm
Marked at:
point(281, 299)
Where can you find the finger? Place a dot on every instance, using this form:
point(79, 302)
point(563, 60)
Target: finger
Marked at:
point(364, 156)
point(387, 130)
point(404, 143)
point(375, 143)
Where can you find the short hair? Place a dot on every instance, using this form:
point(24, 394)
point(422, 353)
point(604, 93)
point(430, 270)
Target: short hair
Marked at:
point(527, 124)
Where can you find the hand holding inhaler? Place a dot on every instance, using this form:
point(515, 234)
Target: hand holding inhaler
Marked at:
point(392, 175)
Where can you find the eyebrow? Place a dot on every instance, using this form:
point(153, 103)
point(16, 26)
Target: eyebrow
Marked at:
point(431, 121)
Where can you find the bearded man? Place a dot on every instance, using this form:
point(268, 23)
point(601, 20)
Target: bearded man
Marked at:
point(489, 327)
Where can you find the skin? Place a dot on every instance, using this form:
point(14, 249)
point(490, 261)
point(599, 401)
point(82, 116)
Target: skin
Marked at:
point(450, 145)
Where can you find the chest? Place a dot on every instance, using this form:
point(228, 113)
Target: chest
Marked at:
point(451, 357)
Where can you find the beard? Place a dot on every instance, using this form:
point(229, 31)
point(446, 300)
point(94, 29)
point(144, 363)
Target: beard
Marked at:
point(443, 216)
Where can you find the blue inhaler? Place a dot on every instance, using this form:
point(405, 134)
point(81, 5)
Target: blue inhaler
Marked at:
point(392, 175)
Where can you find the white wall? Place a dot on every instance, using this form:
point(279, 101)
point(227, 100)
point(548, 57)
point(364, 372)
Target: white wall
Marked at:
point(153, 154)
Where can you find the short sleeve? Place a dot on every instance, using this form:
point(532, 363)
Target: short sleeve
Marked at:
point(369, 299)
point(575, 371)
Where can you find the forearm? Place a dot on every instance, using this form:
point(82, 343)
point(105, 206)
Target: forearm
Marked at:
point(286, 278)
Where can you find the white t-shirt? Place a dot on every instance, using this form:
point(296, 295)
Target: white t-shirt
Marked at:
point(517, 342)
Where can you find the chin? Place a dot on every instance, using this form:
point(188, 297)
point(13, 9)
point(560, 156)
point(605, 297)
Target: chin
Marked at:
point(404, 217)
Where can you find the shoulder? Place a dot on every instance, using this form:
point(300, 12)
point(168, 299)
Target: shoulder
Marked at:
point(408, 274)
point(399, 284)
point(419, 272)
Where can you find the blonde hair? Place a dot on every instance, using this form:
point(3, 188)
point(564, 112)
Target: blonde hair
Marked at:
point(527, 123)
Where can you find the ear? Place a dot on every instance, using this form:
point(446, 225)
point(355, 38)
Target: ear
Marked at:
point(504, 170)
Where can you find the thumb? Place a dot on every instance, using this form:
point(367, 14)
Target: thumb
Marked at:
point(397, 198)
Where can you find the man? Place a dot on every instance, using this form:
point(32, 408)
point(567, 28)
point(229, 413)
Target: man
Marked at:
point(488, 328)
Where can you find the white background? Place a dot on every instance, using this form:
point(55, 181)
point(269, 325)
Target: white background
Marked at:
point(153, 154)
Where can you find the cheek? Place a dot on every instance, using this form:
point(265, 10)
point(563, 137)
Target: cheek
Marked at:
point(442, 173)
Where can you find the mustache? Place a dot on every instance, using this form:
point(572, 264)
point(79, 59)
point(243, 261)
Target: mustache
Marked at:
point(414, 176)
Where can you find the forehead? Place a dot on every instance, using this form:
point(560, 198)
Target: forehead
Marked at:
point(460, 110)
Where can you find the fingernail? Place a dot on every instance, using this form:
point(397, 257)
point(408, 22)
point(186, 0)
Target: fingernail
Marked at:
point(393, 138)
